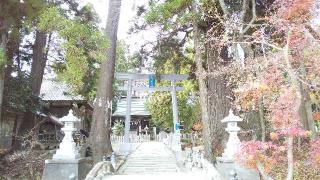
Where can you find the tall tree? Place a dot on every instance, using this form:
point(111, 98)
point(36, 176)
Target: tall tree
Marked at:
point(3, 44)
point(184, 17)
point(100, 128)
point(203, 90)
point(84, 47)
point(176, 18)
point(38, 62)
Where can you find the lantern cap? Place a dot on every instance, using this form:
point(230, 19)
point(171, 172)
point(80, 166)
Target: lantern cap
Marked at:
point(69, 118)
point(231, 117)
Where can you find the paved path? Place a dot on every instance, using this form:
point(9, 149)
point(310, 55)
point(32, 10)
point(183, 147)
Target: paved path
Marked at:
point(162, 176)
point(152, 160)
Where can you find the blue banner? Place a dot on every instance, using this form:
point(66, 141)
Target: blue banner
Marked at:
point(152, 81)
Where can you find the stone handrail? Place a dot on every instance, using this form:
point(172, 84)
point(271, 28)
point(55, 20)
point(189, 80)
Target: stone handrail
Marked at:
point(207, 167)
point(210, 171)
point(94, 171)
point(100, 170)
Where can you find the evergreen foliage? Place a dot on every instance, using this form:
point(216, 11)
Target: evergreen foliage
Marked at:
point(84, 46)
point(160, 106)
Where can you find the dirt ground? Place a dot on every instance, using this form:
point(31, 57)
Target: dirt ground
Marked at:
point(23, 165)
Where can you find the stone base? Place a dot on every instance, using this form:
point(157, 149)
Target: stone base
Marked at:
point(66, 169)
point(125, 148)
point(225, 165)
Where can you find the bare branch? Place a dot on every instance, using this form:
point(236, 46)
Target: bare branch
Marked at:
point(244, 10)
point(48, 46)
point(262, 172)
point(73, 6)
point(184, 39)
point(254, 17)
point(314, 33)
point(312, 86)
point(224, 7)
point(260, 42)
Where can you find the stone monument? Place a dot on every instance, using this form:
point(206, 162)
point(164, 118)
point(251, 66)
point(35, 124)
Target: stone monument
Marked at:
point(66, 162)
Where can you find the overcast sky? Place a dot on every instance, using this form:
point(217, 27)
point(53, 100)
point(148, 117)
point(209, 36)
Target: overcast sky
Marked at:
point(128, 11)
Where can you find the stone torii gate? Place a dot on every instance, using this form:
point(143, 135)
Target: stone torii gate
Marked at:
point(126, 147)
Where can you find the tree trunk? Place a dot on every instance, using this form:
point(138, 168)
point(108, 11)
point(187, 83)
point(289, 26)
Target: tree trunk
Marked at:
point(15, 140)
point(101, 125)
point(218, 99)
point(262, 121)
point(12, 51)
point(38, 62)
point(305, 109)
point(290, 158)
point(201, 76)
point(219, 106)
point(3, 43)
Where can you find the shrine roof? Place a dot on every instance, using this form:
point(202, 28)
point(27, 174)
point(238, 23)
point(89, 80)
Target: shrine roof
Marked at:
point(53, 90)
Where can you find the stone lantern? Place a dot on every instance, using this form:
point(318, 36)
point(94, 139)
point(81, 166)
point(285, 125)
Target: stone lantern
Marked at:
point(226, 163)
point(233, 144)
point(67, 149)
point(66, 163)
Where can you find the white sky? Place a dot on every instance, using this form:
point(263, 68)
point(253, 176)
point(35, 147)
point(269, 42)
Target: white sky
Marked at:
point(128, 11)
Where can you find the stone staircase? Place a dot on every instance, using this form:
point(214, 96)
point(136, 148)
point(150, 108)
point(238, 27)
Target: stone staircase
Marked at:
point(153, 161)
point(150, 158)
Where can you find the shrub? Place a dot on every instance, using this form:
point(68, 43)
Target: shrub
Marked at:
point(118, 129)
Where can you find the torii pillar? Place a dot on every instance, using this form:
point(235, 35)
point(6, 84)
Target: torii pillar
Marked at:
point(176, 145)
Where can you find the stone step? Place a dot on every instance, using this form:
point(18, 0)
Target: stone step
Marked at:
point(150, 158)
point(163, 176)
point(150, 167)
point(152, 162)
point(146, 171)
point(155, 161)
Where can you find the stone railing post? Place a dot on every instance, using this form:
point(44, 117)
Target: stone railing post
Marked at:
point(233, 175)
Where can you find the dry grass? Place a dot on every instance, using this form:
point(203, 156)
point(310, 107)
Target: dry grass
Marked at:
point(23, 165)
